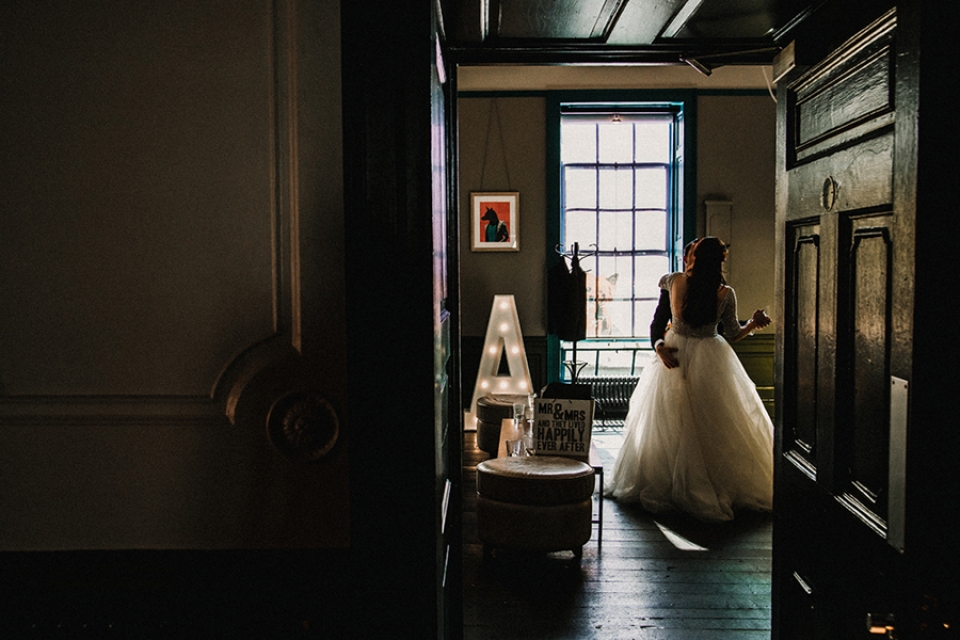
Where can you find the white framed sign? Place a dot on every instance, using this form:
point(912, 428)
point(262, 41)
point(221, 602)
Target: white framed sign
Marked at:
point(562, 427)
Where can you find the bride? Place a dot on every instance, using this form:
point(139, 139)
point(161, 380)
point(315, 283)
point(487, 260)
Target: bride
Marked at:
point(697, 437)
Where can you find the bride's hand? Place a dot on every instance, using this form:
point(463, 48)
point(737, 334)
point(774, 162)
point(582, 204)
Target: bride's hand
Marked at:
point(760, 319)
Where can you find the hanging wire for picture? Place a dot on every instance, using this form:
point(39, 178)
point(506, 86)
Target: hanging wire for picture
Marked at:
point(494, 111)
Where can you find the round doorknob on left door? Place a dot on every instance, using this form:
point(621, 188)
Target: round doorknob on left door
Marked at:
point(303, 426)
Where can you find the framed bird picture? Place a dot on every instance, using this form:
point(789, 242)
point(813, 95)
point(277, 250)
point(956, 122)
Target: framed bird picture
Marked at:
point(495, 221)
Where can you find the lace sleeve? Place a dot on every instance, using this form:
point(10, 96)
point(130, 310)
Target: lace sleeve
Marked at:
point(666, 280)
point(728, 314)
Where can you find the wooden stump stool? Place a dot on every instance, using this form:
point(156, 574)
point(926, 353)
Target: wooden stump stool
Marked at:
point(491, 410)
point(535, 502)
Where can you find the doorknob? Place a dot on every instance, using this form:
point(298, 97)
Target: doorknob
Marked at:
point(273, 383)
point(828, 194)
point(303, 425)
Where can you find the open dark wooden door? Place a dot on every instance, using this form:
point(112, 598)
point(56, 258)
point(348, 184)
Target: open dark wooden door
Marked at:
point(403, 328)
point(856, 499)
point(447, 402)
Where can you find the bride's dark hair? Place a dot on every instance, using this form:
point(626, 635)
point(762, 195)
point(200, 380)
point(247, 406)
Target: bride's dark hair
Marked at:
point(700, 302)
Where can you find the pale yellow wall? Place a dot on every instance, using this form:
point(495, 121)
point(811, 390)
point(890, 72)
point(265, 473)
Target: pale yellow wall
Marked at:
point(521, 273)
point(735, 161)
point(736, 152)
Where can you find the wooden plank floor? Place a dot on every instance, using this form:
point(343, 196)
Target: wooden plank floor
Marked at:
point(656, 578)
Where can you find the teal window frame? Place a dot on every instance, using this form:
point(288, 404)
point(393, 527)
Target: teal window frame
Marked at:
point(684, 214)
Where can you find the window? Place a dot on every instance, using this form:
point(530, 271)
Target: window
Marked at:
point(621, 202)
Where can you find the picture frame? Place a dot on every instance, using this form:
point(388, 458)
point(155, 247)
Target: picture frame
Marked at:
point(495, 221)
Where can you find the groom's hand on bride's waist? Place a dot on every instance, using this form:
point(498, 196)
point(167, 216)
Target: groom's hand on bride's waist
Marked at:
point(666, 355)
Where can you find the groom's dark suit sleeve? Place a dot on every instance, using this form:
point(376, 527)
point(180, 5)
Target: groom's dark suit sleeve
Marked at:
point(660, 318)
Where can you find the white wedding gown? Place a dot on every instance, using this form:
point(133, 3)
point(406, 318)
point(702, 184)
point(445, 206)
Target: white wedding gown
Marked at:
point(697, 437)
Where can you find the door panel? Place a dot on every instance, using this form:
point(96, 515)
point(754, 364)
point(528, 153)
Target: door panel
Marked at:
point(800, 419)
point(848, 99)
point(865, 440)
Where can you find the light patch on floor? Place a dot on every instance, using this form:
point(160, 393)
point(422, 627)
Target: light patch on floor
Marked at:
point(678, 540)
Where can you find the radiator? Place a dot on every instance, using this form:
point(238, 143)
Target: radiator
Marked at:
point(612, 395)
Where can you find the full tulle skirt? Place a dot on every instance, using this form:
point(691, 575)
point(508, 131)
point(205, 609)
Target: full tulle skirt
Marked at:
point(697, 438)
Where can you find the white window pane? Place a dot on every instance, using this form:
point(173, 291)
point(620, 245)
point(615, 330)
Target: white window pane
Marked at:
point(648, 272)
point(616, 319)
point(580, 226)
point(609, 359)
point(653, 140)
point(580, 188)
point(578, 143)
point(644, 310)
point(652, 188)
point(601, 291)
point(608, 266)
point(616, 231)
point(613, 272)
point(616, 363)
point(651, 230)
point(616, 142)
point(616, 189)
